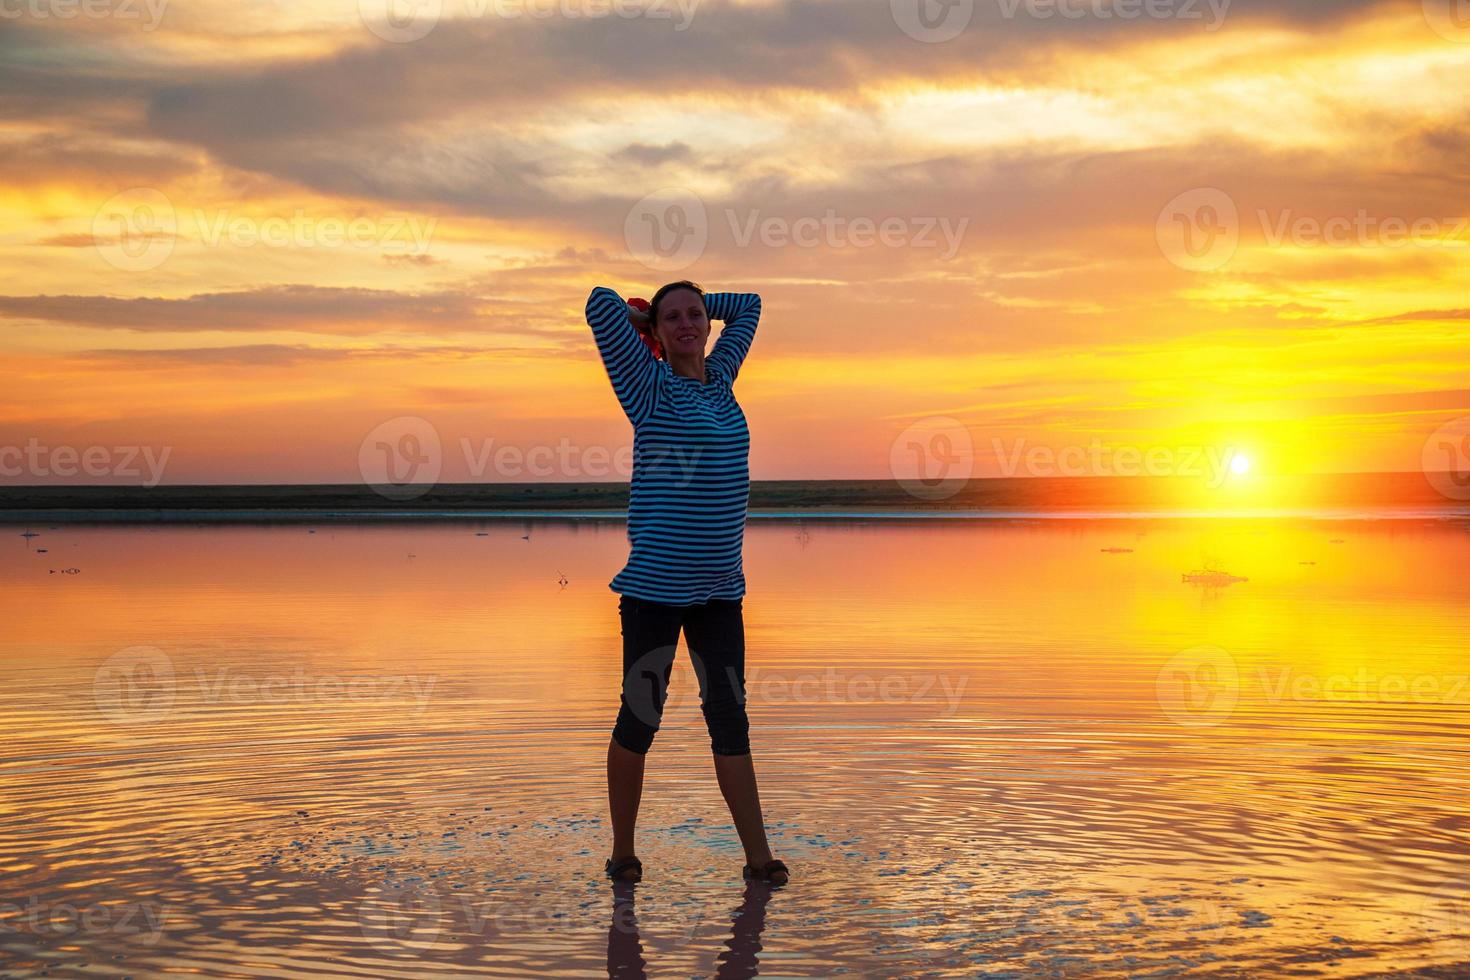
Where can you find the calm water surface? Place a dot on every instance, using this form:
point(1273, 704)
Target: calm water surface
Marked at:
point(987, 749)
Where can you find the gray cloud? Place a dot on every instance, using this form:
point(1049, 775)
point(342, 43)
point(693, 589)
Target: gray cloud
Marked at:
point(271, 355)
point(294, 307)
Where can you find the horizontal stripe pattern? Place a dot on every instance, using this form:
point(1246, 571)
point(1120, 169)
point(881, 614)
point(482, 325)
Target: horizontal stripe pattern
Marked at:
point(691, 455)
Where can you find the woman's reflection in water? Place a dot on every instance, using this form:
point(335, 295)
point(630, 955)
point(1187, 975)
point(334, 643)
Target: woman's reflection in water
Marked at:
point(738, 961)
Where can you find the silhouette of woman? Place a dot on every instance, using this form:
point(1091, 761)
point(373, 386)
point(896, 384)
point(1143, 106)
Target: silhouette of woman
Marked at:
point(686, 528)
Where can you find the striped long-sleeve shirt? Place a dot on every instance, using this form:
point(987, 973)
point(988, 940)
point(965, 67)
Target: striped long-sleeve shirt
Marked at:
point(691, 455)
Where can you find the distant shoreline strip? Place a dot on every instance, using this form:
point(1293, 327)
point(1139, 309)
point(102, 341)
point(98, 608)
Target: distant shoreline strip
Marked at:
point(408, 516)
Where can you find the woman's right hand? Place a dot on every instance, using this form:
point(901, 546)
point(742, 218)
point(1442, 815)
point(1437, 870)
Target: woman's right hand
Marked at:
point(638, 317)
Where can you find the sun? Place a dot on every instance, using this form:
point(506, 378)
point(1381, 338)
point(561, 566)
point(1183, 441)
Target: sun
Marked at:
point(1240, 465)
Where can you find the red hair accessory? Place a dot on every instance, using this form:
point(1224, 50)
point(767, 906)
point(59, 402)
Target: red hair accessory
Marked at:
point(646, 331)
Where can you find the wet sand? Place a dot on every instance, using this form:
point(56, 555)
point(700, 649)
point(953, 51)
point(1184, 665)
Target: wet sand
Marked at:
point(1000, 749)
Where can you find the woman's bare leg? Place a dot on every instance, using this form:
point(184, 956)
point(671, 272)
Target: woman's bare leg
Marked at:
point(736, 776)
point(624, 793)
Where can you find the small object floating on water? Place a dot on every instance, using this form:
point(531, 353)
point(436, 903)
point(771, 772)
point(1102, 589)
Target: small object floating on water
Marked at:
point(482, 534)
point(1337, 541)
point(1210, 576)
point(28, 533)
point(1306, 563)
point(1117, 551)
point(40, 551)
point(302, 813)
point(66, 571)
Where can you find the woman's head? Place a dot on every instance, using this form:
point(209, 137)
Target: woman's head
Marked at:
point(678, 318)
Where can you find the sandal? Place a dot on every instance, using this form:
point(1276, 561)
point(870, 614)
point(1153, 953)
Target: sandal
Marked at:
point(614, 869)
point(764, 872)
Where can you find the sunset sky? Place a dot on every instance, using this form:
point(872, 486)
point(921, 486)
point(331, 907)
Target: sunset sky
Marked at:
point(253, 234)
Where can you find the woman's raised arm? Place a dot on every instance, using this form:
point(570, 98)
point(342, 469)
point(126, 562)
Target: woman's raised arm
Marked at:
point(631, 367)
point(741, 313)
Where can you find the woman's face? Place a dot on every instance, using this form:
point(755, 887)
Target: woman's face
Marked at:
point(682, 327)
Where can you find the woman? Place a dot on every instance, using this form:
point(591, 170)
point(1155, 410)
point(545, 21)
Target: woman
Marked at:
point(686, 526)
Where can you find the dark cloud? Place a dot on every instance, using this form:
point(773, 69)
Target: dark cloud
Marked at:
point(275, 355)
point(1424, 315)
point(53, 158)
point(272, 355)
point(648, 155)
point(422, 259)
point(312, 308)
